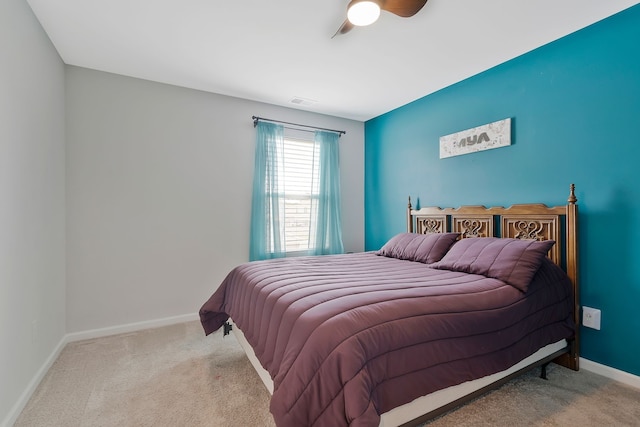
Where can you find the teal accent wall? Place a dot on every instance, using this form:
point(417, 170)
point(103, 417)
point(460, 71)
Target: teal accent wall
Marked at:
point(575, 109)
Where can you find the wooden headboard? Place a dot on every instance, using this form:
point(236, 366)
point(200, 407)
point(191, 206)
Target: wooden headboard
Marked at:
point(525, 221)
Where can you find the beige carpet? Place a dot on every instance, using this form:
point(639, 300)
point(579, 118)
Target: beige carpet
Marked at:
point(174, 376)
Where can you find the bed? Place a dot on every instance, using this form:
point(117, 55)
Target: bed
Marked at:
point(461, 302)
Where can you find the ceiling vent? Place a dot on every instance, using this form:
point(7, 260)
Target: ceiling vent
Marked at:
point(303, 101)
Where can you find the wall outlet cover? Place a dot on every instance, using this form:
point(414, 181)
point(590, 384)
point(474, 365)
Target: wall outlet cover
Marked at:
point(591, 317)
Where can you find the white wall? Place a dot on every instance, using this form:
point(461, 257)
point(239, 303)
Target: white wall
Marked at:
point(32, 202)
point(159, 194)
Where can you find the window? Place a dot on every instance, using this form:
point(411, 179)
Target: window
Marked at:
point(296, 193)
point(299, 200)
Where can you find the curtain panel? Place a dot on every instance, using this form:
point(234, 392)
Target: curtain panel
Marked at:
point(267, 236)
point(329, 221)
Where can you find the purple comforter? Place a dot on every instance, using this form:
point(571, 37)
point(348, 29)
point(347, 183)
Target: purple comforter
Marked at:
point(348, 337)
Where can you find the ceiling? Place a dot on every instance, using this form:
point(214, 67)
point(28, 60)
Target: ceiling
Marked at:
point(278, 51)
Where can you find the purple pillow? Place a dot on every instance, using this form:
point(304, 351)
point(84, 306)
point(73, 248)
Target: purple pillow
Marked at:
point(513, 261)
point(426, 248)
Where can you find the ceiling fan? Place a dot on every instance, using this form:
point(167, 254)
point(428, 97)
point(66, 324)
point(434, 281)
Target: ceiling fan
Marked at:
point(366, 12)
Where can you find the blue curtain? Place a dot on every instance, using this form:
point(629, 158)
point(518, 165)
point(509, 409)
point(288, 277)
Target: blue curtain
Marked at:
point(329, 220)
point(267, 234)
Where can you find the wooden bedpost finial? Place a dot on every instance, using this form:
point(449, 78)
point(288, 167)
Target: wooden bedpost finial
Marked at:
point(409, 217)
point(572, 195)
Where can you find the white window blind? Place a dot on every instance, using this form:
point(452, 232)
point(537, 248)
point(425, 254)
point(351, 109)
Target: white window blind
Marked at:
point(299, 204)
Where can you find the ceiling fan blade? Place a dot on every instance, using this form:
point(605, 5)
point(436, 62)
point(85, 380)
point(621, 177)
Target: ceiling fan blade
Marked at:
point(404, 8)
point(344, 28)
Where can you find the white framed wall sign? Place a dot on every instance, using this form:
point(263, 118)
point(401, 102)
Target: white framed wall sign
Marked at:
point(485, 137)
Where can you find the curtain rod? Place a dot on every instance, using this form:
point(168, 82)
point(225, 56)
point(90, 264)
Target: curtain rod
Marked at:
point(256, 119)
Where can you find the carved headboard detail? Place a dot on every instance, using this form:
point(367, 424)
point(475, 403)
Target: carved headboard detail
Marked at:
point(472, 226)
point(432, 224)
point(525, 221)
point(534, 227)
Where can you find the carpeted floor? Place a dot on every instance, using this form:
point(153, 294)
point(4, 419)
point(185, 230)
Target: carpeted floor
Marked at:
point(174, 376)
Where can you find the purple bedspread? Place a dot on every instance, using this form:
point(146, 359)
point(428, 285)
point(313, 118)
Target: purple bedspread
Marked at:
point(348, 337)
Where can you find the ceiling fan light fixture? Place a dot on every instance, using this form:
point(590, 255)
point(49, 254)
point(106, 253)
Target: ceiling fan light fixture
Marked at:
point(363, 12)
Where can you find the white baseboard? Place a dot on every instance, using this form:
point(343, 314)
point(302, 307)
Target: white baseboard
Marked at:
point(17, 408)
point(613, 373)
point(129, 327)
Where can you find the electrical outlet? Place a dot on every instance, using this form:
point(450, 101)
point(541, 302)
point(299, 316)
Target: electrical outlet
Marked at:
point(591, 317)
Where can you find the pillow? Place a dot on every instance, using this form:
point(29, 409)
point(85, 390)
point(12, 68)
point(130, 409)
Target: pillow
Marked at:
point(394, 248)
point(513, 261)
point(426, 248)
